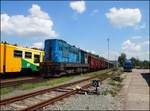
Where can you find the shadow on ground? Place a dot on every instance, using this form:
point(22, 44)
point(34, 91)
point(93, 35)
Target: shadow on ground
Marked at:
point(146, 76)
point(19, 74)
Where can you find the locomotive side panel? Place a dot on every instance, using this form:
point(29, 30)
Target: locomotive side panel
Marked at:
point(1, 58)
point(63, 58)
point(60, 51)
point(14, 58)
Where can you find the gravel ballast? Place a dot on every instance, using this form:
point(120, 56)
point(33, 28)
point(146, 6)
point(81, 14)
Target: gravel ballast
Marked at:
point(89, 101)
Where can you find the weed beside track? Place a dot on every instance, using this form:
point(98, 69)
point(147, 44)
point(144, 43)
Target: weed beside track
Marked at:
point(114, 84)
point(48, 82)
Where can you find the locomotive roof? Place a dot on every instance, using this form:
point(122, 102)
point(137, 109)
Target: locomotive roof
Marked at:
point(56, 39)
point(21, 47)
point(80, 49)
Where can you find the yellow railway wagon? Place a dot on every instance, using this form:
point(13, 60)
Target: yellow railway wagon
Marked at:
point(15, 58)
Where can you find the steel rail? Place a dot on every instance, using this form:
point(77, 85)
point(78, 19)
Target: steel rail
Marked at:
point(53, 100)
point(57, 98)
point(10, 83)
point(35, 93)
point(28, 95)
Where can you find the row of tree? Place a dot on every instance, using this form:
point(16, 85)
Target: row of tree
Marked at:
point(136, 62)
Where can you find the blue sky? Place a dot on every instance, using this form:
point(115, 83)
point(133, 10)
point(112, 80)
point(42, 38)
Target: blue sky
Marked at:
point(86, 24)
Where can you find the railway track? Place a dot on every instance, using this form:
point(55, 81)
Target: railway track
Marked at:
point(15, 82)
point(39, 99)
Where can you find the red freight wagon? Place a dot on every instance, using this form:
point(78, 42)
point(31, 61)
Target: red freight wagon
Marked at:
point(101, 63)
point(94, 62)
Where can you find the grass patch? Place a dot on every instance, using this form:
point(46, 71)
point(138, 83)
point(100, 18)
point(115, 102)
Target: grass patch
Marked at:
point(105, 92)
point(115, 83)
point(45, 83)
point(57, 80)
point(96, 73)
point(6, 90)
point(27, 86)
point(117, 79)
point(51, 82)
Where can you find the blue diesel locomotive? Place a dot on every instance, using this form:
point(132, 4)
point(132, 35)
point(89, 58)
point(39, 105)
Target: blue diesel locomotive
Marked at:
point(61, 57)
point(127, 67)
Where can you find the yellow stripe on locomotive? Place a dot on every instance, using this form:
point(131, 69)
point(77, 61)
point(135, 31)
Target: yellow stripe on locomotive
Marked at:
point(15, 59)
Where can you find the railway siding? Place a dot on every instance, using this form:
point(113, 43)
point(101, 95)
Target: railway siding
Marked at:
point(29, 87)
point(20, 105)
point(105, 101)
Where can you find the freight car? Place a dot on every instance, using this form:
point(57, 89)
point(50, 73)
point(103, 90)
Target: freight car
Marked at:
point(63, 58)
point(16, 59)
point(96, 62)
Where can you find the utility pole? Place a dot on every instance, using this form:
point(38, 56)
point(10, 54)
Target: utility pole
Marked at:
point(108, 51)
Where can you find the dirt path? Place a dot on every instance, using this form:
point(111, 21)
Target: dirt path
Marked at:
point(136, 90)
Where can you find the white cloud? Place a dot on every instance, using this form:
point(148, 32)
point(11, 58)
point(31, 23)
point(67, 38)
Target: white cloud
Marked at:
point(36, 24)
point(38, 45)
point(124, 17)
point(138, 49)
point(131, 46)
point(141, 26)
point(78, 6)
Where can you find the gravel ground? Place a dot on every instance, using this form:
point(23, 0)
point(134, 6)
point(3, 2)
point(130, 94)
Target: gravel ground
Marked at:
point(82, 101)
point(104, 101)
point(136, 90)
point(89, 102)
point(108, 102)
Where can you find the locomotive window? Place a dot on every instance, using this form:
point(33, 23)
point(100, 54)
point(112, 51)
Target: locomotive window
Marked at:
point(36, 58)
point(17, 53)
point(28, 55)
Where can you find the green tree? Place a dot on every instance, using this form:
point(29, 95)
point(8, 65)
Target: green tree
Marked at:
point(146, 64)
point(133, 60)
point(140, 64)
point(136, 62)
point(121, 59)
